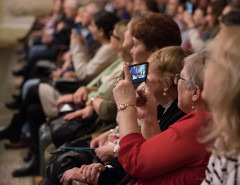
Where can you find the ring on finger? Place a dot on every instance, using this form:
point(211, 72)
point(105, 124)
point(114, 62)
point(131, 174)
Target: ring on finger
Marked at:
point(118, 79)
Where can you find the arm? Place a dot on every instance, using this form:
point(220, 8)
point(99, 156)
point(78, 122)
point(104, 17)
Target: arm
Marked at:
point(87, 68)
point(147, 112)
point(100, 140)
point(124, 94)
point(170, 150)
point(84, 113)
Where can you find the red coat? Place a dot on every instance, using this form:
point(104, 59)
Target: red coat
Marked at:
point(172, 157)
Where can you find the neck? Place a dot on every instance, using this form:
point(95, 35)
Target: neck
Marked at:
point(201, 106)
point(170, 97)
point(104, 41)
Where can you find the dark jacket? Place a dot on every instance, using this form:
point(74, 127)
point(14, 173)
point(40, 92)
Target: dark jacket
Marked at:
point(114, 173)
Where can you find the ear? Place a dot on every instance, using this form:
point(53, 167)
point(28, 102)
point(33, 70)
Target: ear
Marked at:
point(167, 84)
point(155, 49)
point(101, 32)
point(196, 93)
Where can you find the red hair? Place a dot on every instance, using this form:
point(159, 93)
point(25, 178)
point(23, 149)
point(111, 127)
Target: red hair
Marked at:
point(157, 31)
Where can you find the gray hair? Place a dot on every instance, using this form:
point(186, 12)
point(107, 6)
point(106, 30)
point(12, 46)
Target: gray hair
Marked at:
point(193, 70)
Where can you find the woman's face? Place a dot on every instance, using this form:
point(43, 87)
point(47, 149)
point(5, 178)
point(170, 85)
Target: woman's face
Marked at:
point(184, 94)
point(156, 84)
point(198, 17)
point(139, 51)
point(115, 41)
point(95, 31)
point(128, 43)
point(57, 6)
point(209, 17)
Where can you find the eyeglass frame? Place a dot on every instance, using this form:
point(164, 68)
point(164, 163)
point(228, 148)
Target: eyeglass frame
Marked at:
point(177, 77)
point(114, 36)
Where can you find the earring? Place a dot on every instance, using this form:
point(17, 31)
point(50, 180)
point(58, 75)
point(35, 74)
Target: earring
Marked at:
point(164, 93)
point(193, 106)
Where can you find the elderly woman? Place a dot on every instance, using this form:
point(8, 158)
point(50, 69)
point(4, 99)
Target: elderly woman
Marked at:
point(157, 155)
point(164, 64)
point(222, 78)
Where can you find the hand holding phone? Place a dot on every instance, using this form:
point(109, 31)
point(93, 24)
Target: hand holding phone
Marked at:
point(139, 72)
point(190, 7)
point(79, 28)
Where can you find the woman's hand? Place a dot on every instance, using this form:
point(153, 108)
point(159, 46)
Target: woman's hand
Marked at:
point(81, 95)
point(65, 99)
point(70, 74)
point(84, 113)
point(72, 174)
point(124, 92)
point(124, 95)
point(56, 73)
point(91, 172)
point(146, 103)
point(188, 19)
point(147, 111)
point(105, 152)
point(75, 38)
point(100, 140)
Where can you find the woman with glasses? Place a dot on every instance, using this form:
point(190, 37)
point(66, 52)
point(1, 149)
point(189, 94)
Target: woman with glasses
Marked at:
point(173, 156)
point(163, 65)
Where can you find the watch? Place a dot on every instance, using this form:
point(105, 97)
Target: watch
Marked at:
point(91, 100)
point(123, 106)
point(115, 152)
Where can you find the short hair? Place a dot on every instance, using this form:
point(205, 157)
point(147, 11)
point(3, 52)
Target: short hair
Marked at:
point(169, 62)
point(106, 21)
point(157, 31)
point(120, 28)
point(193, 70)
point(225, 102)
point(232, 18)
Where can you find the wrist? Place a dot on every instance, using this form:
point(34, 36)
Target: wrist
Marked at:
point(123, 106)
point(91, 100)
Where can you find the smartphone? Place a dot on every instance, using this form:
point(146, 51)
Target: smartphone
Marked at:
point(190, 7)
point(139, 72)
point(78, 28)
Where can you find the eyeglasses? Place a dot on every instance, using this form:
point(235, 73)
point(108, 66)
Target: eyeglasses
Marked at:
point(114, 36)
point(177, 77)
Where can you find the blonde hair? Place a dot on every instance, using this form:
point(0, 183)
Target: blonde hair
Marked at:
point(169, 62)
point(120, 28)
point(225, 102)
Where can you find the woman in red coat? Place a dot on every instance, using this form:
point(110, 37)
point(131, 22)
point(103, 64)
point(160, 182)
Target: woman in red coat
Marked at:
point(173, 156)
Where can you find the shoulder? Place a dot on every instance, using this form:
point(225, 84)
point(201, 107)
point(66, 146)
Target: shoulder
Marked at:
point(192, 121)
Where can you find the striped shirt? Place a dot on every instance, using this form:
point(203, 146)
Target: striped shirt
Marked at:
point(224, 171)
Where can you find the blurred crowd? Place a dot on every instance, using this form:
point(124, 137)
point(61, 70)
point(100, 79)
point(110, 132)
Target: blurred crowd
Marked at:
point(84, 120)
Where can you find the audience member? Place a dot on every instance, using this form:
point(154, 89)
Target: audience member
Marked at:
point(146, 5)
point(164, 64)
point(165, 169)
point(164, 32)
point(221, 77)
point(199, 42)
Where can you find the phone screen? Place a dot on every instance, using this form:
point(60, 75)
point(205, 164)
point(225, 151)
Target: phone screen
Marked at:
point(139, 72)
point(190, 7)
point(78, 28)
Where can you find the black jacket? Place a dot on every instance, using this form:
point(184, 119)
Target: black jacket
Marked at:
point(114, 173)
